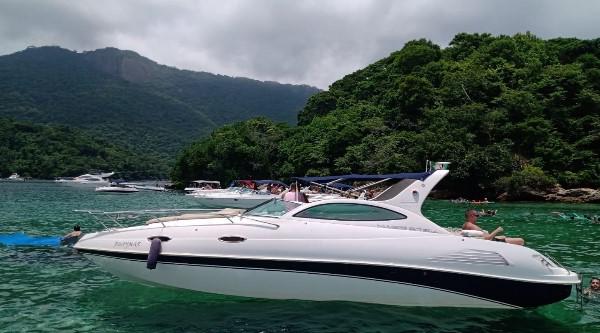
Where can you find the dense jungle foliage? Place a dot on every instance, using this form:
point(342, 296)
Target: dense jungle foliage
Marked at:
point(506, 111)
point(41, 151)
point(131, 101)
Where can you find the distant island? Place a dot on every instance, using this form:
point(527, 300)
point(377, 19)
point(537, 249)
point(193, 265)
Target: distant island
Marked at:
point(516, 115)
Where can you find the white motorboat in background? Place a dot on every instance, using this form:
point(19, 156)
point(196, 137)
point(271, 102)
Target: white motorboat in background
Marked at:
point(233, 197)
point(375, 251)
point(238, 195)
point(91, 179)
point(117, 188)
point(15, 177)
point(203, 185)
point(145, 186)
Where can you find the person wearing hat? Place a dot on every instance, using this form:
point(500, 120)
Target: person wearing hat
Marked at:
point(471, 216)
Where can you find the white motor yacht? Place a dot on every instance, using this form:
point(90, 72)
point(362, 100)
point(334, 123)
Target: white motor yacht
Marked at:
point(239, 194)
point(91, 179)
point(234, 197)
point(203, 186)
point(145, 186)
point(15, 176)
point(116, 188)
point(380, 251)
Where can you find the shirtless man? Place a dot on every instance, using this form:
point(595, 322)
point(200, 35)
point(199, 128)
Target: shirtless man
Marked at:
point(72, 237)
point(471, 224)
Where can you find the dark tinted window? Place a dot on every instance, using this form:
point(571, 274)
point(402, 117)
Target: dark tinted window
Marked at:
point(349, 212)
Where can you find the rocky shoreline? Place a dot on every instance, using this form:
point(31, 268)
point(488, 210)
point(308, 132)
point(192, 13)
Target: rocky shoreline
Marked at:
point(556, 194)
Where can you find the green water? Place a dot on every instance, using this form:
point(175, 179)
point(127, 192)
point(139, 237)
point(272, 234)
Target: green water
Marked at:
point(55, 289)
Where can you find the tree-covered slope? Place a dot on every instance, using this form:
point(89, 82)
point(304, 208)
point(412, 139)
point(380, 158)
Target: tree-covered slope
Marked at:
point(132, 101)
point(224, 99)
point(518, 109)
point(42, 151)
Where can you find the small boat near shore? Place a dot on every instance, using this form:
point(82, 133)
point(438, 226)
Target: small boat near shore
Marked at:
point(233, 198)
point(203, 185)
point(87, 179)
point(116, 189)
point(145, 186)
point(241, 194)
point(15, 177)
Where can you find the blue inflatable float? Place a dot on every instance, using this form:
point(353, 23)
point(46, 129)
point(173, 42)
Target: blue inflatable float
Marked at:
point(22, 239)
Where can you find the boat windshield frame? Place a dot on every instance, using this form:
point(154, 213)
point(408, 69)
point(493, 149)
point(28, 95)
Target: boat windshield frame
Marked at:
point(262, 210)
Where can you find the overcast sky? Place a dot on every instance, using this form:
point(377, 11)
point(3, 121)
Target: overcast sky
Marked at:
point(289, 41)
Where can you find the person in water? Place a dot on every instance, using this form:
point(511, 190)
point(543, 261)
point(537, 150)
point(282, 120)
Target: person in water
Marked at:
point(72, 237)
point(594, 289)
point(471, 224)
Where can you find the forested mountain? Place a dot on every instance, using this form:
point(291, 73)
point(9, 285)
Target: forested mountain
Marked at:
point(42, 151)
point(131, 101)
point(508, 112)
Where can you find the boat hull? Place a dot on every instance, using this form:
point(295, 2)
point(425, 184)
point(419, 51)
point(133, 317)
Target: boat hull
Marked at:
point(329, 281)
point(121, 190)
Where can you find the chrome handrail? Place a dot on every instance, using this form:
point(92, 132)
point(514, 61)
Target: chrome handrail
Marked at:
point(101, 216)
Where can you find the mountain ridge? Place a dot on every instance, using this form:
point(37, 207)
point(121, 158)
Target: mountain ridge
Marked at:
point(130, 100)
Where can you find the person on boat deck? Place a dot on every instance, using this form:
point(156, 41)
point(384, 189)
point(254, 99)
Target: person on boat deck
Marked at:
point(294, 194)
point(471, 224)
point(594, 289)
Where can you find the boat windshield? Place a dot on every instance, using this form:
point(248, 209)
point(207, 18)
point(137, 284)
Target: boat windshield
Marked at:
point(274, 207)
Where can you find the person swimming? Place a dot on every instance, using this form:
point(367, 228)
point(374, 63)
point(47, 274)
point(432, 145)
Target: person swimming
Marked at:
point(72, 237)
point(593, 291)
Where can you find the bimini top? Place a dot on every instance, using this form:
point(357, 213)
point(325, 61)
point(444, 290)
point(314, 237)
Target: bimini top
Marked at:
point(409, 191)
point(206, 182)
point(247, 182)
point(357, 177)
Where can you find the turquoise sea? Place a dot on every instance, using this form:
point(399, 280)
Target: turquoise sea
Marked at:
point(49, 289)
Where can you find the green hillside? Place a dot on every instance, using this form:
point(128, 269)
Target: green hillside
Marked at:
point(41, 151)
point(508, 112)
point(131, 101)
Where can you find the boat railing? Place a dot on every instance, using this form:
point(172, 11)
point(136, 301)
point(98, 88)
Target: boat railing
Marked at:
point(110, 220)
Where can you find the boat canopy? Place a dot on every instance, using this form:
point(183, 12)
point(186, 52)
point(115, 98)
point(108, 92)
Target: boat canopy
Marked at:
point(268, 181)
point(248, 182)
point(206, 182)
point(359, 177)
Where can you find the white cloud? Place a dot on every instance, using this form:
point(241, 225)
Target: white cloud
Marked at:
point(311, 42)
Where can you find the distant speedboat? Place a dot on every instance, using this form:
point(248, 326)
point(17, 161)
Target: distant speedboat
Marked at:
point(117, 189)
point(88, 178)
point(145, 187)
point(203, 185)
point(235, 197)
point(381, 251)
point(15, 176)
point(238, 197)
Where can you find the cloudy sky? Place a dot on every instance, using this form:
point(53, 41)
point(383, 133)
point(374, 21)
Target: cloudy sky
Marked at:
point(290, 41)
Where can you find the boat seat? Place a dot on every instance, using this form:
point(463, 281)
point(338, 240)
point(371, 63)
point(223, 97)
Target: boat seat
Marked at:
point(227, 212)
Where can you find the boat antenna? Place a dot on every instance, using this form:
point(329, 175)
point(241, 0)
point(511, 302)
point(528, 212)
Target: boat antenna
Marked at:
point(466, 94)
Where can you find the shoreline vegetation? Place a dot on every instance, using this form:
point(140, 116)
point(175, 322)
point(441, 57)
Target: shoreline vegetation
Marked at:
point(517, 116)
